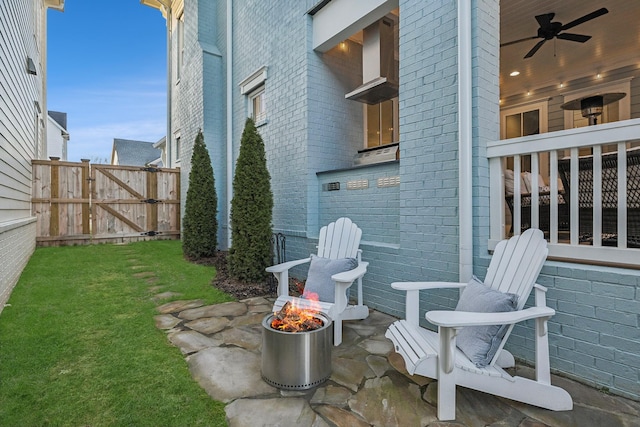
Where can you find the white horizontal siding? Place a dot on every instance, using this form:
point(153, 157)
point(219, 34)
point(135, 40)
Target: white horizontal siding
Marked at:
point(22, 24)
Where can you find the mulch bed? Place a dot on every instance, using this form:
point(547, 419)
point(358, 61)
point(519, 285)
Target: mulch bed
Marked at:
point(240, 289)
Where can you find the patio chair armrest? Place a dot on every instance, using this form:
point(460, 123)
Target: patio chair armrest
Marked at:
point(279, 268)
point(459, 319)
point(418, 286)
point(348, 277)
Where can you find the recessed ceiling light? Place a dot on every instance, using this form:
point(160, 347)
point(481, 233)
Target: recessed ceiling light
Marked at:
point(514, 73)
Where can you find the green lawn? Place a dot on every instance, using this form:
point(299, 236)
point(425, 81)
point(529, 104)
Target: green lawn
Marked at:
point(78, 345)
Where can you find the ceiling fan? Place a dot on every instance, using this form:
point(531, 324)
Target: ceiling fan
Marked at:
point(548, 30)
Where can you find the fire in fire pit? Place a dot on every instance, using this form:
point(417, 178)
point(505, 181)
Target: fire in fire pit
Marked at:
point(291, 318)
point(296, 348)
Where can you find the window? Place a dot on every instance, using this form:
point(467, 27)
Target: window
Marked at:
point(177, 146)
point(525, 120)
point(529, 119)
point(256, 106)
point(381, 123)
point(253, 87)
point(180, 48)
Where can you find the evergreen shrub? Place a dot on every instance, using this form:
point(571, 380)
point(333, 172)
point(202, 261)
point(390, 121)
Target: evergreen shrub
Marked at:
point(200, 224)
point(251, 210)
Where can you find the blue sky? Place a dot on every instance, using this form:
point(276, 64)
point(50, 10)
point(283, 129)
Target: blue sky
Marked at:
point(106, 68)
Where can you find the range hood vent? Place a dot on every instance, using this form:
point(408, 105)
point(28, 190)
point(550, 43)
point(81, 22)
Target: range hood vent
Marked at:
point(379, 71)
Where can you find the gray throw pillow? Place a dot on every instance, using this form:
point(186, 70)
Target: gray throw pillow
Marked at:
point(480, 343)
point(319, 276)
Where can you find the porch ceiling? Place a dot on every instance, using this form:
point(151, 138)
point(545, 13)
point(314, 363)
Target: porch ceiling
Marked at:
point(615, 42)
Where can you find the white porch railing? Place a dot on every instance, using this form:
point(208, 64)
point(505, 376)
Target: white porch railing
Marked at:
point(544, 152)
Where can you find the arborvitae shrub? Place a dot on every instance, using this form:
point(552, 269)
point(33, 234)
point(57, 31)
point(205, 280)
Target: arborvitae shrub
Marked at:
point(200, 225)
point(251, 210)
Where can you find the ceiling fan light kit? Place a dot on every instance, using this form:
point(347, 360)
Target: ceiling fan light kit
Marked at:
point(549, 30)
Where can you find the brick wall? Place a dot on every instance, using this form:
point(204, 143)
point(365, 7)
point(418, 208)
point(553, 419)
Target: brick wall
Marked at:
point(276, 37)
point(17, 243)
point(372, 205)
point(594, 336)
point(198, 99)
point(428, 150)
point(410, 232)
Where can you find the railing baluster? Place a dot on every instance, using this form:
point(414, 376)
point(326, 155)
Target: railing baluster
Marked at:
point(516, 220)
point(574, 213)
point(597, 196)
point(535, 191)
point(622, 195)
point(497, 197)
point(553, 187)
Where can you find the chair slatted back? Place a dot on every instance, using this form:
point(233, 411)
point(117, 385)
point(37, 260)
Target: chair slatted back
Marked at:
point(340, 239)
point(516, 264)
point(514, 268)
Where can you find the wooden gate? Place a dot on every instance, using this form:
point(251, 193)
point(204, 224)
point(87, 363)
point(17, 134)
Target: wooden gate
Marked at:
point(80, 203)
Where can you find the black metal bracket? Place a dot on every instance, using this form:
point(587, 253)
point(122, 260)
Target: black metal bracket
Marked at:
point(150, 169)
point(151, 201)
point(151, 233)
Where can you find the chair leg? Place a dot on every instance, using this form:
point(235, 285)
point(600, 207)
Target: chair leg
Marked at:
point(337, 332)
point(446, 375)
point(543, 369)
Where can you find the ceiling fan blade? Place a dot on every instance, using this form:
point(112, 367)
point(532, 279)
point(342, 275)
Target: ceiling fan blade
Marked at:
point(585, 18)
point(573, 37)
point(518, 41)
point(545, 20)
point(535, 49)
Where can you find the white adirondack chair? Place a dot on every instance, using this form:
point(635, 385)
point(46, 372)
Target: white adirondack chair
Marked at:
point(514, 267)
point(340, 239)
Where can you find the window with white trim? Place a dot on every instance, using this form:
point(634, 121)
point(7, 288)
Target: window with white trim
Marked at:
point(524, 120)
point(253, 87)
point(177, 146)
point(257, 106)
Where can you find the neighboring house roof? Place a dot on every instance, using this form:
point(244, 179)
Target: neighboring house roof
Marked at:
point(161, 145)
point(60, 118)
point(133, 153)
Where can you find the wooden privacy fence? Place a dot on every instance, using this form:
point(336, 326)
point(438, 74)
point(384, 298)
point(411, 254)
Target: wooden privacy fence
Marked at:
point(82, 203)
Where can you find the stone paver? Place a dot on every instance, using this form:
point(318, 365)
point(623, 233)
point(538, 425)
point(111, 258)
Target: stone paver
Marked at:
point(166, 321)
point(369, 384)
point(208, 325)
point(282, 412)
point(175, 306)
point(228, 373)
point(191, 341)
point(216, 310)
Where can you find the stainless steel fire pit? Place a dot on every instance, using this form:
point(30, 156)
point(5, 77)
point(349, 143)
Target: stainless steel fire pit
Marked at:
point(296, 360)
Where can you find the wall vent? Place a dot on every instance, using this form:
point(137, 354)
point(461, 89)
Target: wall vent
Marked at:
point(331, 186)
point(357, 184)
point(389, 181)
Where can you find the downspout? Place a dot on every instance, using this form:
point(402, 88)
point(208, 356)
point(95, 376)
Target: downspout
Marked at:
point(169, 139)
point(229, 117)
point(465, 143)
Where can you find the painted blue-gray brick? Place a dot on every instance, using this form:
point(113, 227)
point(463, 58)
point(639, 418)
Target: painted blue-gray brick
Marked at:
point(619, 343)
point(311, 128)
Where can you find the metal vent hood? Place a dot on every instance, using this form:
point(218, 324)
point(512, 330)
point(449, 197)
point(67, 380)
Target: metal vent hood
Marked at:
point(379, 71)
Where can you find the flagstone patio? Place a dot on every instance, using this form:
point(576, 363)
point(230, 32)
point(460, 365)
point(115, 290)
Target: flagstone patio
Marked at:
point(368, 385)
